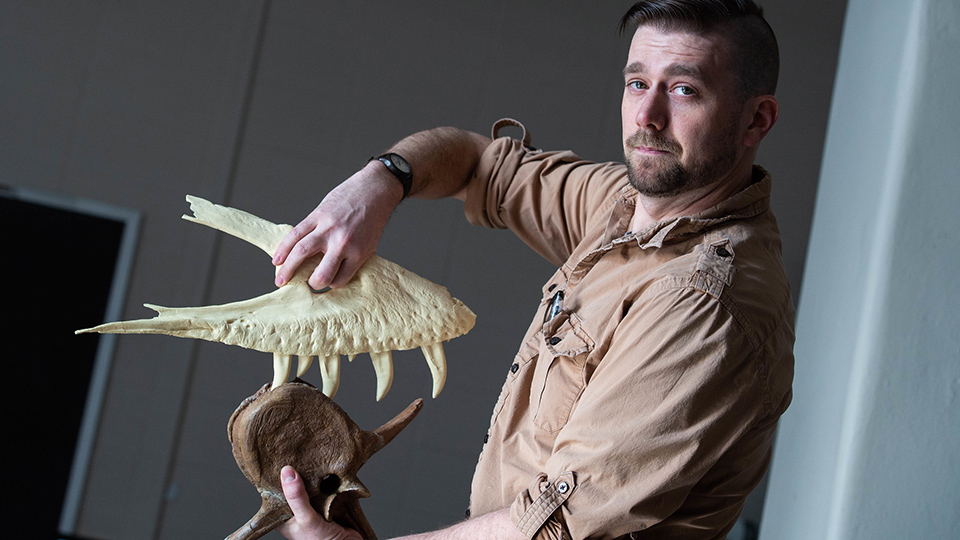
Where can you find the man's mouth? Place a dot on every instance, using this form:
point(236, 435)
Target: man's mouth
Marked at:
point(652, 144)
point(648, 150)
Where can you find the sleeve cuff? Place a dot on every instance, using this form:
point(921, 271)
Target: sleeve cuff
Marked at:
point(502, 158)
point(538, 518)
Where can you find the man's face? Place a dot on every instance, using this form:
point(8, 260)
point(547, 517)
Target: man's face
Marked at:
point(682, 121)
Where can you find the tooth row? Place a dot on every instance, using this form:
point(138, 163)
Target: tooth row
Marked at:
point(382, 365)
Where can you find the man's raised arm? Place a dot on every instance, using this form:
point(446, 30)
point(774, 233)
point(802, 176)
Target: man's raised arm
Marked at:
point(349, 221)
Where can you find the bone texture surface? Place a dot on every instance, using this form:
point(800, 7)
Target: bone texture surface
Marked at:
point(384, 308)
point(297, 425)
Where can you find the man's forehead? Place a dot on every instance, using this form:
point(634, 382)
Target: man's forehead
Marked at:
point(675, 52)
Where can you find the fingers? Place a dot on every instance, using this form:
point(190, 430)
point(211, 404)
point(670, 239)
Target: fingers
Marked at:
point(346, 227)
point(304, 228)
point(293, 250)
point(325, 272)
point(304, 246)
point(347, 268)
point(339, 263)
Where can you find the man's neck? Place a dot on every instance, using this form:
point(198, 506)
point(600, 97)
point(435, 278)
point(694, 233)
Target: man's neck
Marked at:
point(651, 210)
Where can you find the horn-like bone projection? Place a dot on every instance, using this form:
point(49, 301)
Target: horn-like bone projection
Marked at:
point(297, 425)
point(384, 308)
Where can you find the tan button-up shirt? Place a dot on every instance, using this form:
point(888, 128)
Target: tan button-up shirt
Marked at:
point(646, 392)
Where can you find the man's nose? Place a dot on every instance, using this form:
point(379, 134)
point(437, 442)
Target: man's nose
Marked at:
point(652, 112)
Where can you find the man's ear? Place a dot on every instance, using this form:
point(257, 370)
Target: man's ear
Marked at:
point(764, 111)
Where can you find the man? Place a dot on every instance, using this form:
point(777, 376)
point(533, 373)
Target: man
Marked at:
point(643, 400)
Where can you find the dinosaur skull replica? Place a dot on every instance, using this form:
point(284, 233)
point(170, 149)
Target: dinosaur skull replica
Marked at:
point(297, 425)
point(382, 309)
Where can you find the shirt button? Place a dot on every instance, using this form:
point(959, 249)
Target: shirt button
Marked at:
point(554, 340)
point(514, 368)
point(563, 487)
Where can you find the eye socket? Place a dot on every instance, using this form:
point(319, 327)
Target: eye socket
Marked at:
point(330, 484)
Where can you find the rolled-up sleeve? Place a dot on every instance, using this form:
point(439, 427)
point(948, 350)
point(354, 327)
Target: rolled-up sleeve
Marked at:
point(676, 402)
point(540, 196)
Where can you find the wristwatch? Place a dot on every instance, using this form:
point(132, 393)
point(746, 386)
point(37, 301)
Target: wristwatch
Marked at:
point(400, 168)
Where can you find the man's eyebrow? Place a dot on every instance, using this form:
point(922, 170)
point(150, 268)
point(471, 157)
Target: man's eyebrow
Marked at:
point(632, 68)
point(685, 70)
point(673, 70)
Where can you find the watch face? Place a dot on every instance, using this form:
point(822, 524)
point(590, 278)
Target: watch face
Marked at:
point(400, 163)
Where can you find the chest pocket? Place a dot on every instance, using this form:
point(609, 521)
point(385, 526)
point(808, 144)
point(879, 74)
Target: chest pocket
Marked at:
point(559, 375)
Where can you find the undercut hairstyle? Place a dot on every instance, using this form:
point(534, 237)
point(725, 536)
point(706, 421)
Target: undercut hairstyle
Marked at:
point(754, 48)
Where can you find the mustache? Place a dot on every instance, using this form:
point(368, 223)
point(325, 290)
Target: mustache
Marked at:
point(653, 140)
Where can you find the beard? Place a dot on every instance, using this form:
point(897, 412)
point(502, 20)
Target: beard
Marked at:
point(664, 176)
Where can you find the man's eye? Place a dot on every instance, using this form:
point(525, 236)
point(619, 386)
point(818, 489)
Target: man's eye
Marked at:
point(685, 90)
point(636, 85)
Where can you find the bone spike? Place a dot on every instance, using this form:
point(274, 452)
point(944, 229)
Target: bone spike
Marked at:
point(330, 373)
point(352, 486)
point(377, 439)
point(383, 365)
point(303, 364)
point(438, 365)
point(258, 231)
point(281, 369)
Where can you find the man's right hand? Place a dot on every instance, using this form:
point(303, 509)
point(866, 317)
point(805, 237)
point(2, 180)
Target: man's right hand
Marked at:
point(346, 227)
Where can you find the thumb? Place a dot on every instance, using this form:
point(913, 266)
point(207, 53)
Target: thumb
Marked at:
point(296, 494)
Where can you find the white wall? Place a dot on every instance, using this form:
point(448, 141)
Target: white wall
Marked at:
point(871, 446)
point(267, 105)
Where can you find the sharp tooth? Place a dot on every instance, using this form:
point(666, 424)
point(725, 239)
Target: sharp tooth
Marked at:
point(281, 369)
point(330, 373)
point(383, 365)
point(350, 357)
point(438, 365)
point(303, 364)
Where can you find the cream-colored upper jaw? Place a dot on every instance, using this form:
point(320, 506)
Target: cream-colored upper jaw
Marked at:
point(384, 308)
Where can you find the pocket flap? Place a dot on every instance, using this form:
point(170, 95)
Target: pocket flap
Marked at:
point(565, 336)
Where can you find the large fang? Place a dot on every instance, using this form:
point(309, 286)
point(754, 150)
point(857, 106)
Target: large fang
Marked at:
point(383, 365)
point(330, 373)
point(438, 365)
point(303, 364)
point(281, 369)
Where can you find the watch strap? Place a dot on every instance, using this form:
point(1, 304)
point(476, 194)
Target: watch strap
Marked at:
point(405, 177)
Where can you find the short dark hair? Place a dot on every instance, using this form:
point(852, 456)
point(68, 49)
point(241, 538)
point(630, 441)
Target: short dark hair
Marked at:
point(754, 45)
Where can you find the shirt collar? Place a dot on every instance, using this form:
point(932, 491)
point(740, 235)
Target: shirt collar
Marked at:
point(751, 201)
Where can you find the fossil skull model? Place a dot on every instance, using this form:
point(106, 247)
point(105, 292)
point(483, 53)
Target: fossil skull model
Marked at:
point(382, 309)
point(297, 425)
